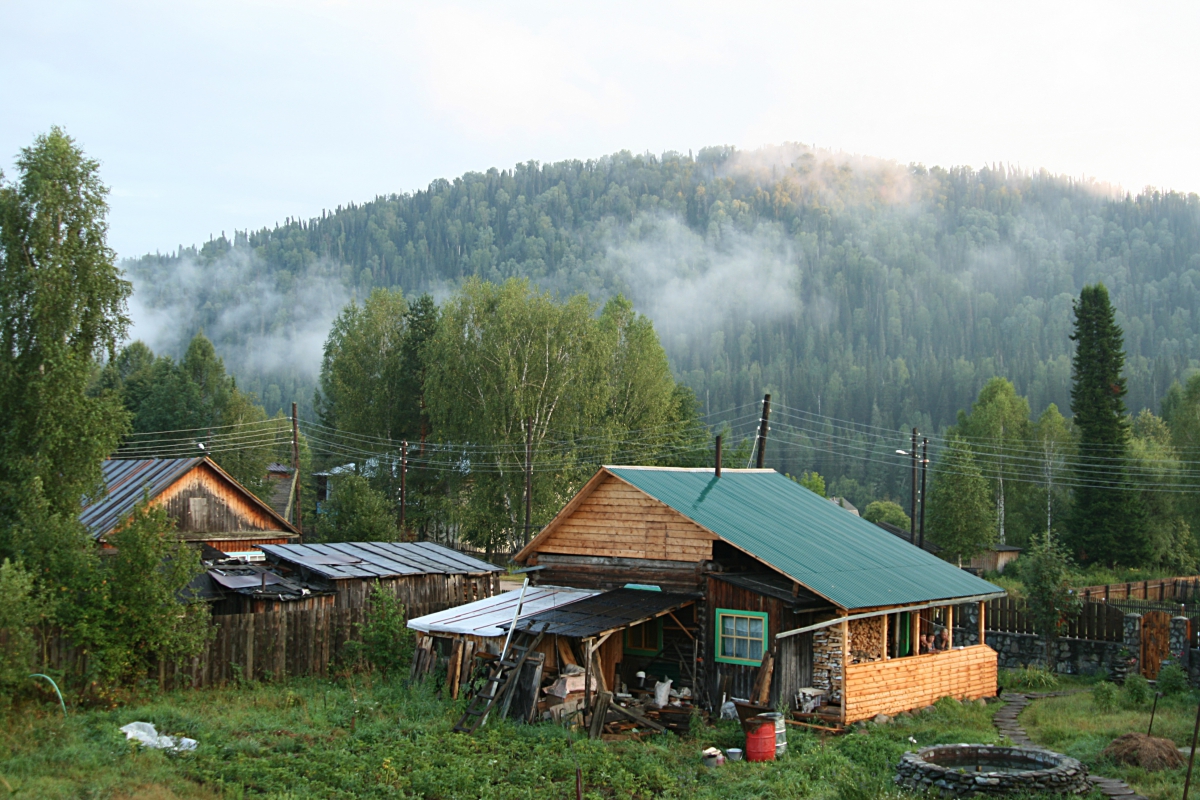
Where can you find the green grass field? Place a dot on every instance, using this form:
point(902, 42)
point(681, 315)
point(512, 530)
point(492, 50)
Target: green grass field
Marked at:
point(365, 738)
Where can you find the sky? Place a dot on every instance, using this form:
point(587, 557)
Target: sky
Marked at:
point(220, 116)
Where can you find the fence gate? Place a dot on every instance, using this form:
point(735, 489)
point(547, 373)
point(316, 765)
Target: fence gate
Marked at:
point(1156, 641)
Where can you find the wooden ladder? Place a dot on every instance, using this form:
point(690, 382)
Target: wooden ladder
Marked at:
point(501, 681)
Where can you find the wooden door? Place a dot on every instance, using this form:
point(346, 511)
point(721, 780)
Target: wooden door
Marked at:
point(1156, 641)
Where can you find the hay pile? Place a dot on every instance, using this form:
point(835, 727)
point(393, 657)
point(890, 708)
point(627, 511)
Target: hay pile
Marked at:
point(1148, 752)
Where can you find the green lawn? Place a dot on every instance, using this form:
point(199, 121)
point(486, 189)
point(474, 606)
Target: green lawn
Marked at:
point(364, 739)
point(1076, 726)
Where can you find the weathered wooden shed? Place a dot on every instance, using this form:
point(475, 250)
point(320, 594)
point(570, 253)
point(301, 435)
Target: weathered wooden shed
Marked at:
point(207, 505)
point(782, 580)
point(425, 577)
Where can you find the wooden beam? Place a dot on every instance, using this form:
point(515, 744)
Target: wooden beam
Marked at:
point(885, 637)
point(949, 627)
point(845, 663)
point(671, 614)
point(982, 611)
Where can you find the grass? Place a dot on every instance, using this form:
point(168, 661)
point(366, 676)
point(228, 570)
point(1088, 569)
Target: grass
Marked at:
point(1078, 726)
point(364, 738)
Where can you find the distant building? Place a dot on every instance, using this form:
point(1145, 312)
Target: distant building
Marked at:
point(996, 558)
point(844, 503)
point(283, 488)
point(207, 505)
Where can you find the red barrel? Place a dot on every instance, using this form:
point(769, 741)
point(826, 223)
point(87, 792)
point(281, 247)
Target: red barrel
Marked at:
point(760, 740)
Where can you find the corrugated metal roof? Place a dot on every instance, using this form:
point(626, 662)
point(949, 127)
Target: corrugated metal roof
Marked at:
point(485, 617)
point(842, 557)
point(128, 481)
point(377, 559)
point(608, 611)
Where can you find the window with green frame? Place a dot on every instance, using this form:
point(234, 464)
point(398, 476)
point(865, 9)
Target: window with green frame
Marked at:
point(741, 636)
point(645, 639)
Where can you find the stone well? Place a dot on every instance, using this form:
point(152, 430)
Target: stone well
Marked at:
point(962, 770)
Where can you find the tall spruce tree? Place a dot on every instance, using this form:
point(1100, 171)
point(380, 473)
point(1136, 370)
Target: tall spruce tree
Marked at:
point(1106, 524)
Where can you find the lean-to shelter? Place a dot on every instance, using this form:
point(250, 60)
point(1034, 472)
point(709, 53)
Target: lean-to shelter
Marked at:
point(833, 608)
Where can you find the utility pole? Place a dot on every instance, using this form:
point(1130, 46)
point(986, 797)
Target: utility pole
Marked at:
point(762, 430)
point(912, 522)
point(924, 469)
point(403, 472)
point(296, 465)
point(528, 478)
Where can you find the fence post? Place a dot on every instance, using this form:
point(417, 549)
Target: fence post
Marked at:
point(1179, 644)
point(1133, 641)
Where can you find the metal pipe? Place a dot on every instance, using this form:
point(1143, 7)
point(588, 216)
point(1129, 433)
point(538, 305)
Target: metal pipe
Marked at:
point(717, 470)
point(762, 430)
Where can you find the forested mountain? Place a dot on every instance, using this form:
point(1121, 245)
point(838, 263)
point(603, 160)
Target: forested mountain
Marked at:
point(856, 288)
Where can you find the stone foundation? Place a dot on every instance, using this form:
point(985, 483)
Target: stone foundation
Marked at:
point(1047, 771)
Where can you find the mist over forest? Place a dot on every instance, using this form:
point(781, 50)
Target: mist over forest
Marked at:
point(850, 287)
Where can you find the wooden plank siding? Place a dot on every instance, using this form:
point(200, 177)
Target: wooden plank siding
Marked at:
point(902, 684)
point(421, 594)
point(618, 521)
point(793, 668)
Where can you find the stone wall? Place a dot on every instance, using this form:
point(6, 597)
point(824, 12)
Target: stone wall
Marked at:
point(1073, 656)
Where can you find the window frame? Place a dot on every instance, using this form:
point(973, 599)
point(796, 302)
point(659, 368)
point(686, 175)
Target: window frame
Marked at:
point(721, 613)
point(640, 651)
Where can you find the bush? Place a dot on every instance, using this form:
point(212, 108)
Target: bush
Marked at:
point(1136, 690)
point(1032, 678)
point(1172, 680)
point(16, 626)
point(387, 640)
point(1104, 697)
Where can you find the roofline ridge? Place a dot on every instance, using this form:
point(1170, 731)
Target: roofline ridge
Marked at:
point(685, 469)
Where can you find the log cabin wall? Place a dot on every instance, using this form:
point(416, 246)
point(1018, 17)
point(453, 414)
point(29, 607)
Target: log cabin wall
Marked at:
point(610, 572)
point(793, 667)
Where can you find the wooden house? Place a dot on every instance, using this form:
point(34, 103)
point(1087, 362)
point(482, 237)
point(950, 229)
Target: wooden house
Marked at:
point(424, 576)
point(995, 558)
point(207, 505)
point(734, 575)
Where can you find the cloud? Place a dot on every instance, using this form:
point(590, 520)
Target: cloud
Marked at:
point(260, 321)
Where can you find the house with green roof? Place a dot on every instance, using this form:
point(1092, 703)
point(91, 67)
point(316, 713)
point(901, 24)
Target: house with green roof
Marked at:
point(774, 594)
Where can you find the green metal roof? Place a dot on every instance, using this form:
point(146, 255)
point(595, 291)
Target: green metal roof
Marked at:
point(844, 558)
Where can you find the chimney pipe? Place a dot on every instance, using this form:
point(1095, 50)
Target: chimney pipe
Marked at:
point(718, 466)
point(762, 430)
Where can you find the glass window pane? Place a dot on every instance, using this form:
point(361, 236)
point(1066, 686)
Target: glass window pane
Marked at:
point(727, 625)
point(756, 650)
point(727, 647)
point(741, 648)
point(742, 625)
point(756, 626)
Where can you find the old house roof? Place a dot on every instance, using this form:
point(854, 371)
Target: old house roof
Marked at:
point(377, 559)
point(128, 480)
point(843, 558)
point(604, 612)
point(491, 616)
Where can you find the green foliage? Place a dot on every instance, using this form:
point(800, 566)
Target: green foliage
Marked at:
point(356, 512)
point(889, 512)
point(1104, 697)
point(1136, 691)
point(997, 429)
point(962, 517)
point(1046, 575)
point(143, 617)
point(62, 304)
point(387, 640)
point(1107, 521)
point(814, 483)
point(1172, 680)
point(191, 402)
point(17, 619)
point(1030, 678)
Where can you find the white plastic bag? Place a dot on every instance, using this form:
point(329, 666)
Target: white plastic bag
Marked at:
point(662, 693)
point(147, 734)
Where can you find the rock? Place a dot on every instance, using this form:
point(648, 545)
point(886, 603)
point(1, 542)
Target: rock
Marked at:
point(928, 710)
point(981, 703)
point(882, 719)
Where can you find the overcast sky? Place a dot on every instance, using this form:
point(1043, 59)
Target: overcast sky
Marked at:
point(210, 117)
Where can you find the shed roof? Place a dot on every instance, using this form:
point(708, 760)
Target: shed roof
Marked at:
point(843, 558)
point(491, 616)
point(377, 559)
point(604, 612)
point(128, 480)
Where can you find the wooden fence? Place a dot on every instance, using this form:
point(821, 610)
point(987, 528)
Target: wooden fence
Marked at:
point(1096, 621)
point(264, 646)
point(1184, 589)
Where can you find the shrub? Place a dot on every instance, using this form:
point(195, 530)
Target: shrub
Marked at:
point(1104, 697)
point(387, 639)
point(16, 626)
point(1032, 678)
point(1136, 690)
point(1172, 680)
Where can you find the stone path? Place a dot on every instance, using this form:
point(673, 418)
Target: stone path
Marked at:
point(1006, 722)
